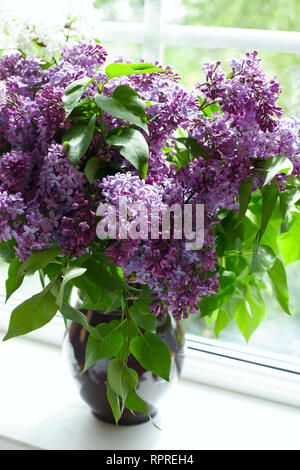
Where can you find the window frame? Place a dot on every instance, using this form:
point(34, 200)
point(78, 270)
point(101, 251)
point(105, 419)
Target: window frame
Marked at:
point(154, 34)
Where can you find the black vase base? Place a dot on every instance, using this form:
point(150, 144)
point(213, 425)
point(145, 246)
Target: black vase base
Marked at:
point(127, 419)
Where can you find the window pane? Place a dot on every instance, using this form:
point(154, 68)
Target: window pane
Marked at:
point(126, 49)
point(121, 10)
point(255, 14)
point(91, 10)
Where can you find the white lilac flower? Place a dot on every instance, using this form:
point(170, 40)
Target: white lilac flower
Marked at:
point(43, 34)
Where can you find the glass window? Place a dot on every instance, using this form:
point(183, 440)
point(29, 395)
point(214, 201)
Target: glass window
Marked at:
point(121, 10)
point(278, 15)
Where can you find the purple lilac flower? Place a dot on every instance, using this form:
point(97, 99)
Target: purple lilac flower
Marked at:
point(87, 56)
point(11, 207)
point(59, 185)
point(34, 234)
point(245, 91)
point(15, 171)
point(26, 71)
point(78, 230)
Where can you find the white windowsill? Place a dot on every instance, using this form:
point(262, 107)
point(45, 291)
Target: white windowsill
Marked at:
point(40, 407)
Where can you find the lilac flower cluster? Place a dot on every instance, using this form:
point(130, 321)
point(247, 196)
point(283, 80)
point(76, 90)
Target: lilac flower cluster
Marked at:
point(39, 188)
point(45, 201)
point(247, 92)
point(172, 271)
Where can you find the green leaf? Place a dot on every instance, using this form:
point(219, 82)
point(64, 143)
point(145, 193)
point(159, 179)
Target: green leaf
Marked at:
point(227, 285)
point(107, 302)
point(84, 110)
point(13, 282)
point(269, 198)
point(288, 198)
point(130, 329)
point(52, 269)
point(222, 321)
point(78, 139)
point(72, 314)
point(105, 275)
point(111, 342)
point(147, 322)
point(275, 165)
point(121, 378)
point(129, 98)
point(211, 109)
point(270, 236)
point(74, 92)
point(32, 314)
point(36, 261)
point(278, 279)
point(152, 353)
point(124, 104)
point(294, 181)
point(263, 259)
point(72, 273)
point(245, 196)
point(91, 169)
point(133, 147)
point(144, 301)
point(114, 401)
point(7, 252)
point(194, 148)
point(249, 321)
point(135, 403)
point(288, 242)
point(94, 293)
point(119, 69)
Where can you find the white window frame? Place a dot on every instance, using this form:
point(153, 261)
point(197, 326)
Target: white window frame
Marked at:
point(154, 35)
point(212, 362)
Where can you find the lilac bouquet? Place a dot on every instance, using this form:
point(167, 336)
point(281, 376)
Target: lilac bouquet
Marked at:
point(98, 164)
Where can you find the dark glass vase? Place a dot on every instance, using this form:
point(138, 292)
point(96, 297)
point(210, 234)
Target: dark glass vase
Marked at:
point(151, 388)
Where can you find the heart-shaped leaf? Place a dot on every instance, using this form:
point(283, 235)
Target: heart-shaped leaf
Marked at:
point(275, 165)
point(111, 342)
point(133, 147)
point(32, 314)
point(152, 353)
point(125, 104)
point(78, 139)
point(74, 92)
